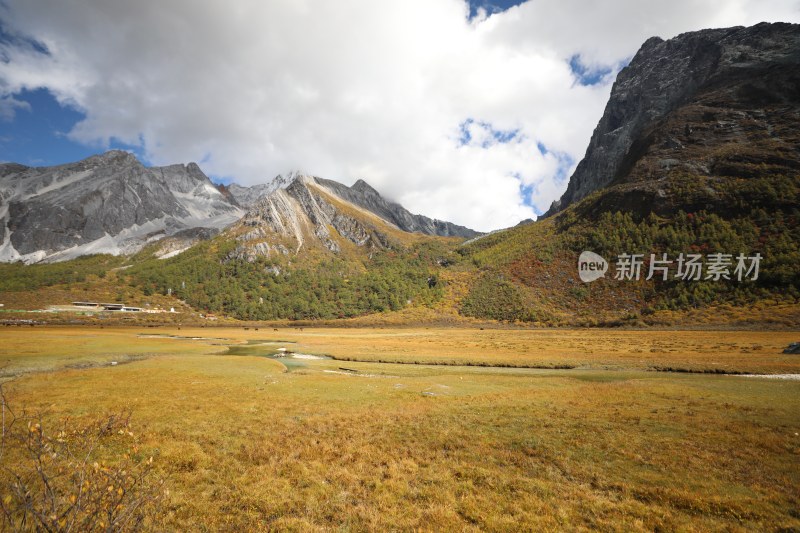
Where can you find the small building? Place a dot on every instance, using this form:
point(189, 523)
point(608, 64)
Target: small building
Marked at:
point(86, 304)
point(127, 309)
point(112, 307)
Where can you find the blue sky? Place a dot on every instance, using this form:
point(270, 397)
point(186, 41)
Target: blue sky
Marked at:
point(37, 133)
point(491, 6)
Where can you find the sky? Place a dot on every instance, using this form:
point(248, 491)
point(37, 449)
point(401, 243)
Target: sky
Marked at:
point(472, 112)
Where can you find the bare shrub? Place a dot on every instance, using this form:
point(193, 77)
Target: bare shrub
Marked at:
point(78, 477)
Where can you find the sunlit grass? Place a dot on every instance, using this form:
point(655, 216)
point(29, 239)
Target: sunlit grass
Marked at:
point(25, 349)
point(246, 445)
point(700, 351)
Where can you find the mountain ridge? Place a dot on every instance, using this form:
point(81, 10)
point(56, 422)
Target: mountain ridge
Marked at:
point(112, 203)
point(305, 212)
point(106, 203)
point(363, 195)
point(737, 67)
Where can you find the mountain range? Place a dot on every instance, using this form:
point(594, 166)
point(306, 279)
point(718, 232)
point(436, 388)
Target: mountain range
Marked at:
point(112, 204)
point(697, 152)
point(109, 203)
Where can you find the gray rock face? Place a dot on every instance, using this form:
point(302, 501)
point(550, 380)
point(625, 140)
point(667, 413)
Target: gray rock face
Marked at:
point(364, 196)
point(247, 196)
point(665, 75)
point(109, 203)
point(299, 212)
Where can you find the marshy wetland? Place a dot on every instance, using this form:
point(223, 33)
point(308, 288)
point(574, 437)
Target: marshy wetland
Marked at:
point(435, 429)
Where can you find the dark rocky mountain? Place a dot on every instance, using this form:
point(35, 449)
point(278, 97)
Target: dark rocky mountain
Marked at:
point(691, 115)
point(109, 203)
point(698, 152)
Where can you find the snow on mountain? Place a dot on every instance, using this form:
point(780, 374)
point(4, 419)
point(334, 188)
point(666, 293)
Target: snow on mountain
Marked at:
point(109, 203)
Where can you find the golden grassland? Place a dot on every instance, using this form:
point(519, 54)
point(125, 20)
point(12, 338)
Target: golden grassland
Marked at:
point(245, 444)
point(696, 351)
point(27, 349)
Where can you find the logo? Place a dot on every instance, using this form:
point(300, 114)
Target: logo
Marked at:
point(686, 267)
point(591, 267)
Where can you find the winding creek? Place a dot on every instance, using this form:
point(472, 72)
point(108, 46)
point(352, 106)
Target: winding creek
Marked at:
point(277, 351)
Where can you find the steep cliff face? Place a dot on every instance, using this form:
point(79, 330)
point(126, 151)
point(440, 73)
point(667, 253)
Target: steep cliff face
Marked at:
point(689, 115)
point(109, 203)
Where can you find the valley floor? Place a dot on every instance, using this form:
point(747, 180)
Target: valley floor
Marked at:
point(434, 429)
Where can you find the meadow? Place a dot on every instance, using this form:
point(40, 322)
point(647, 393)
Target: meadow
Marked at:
point(434, 429)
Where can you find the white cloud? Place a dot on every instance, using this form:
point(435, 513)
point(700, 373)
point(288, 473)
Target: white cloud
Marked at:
point(9, 107)
point(351, 89)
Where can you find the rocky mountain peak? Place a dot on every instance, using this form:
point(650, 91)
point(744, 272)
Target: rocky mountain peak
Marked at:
point(248, 196)
point(302, 211)
point(361, 194)
point(364, 187)
point(112, 157)
point(650, 43)
point(107, 203)
point(752, 71)
point(193, 169)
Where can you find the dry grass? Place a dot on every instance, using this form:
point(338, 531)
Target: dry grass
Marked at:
point(24, 349)
point(108, 289)
point(247, 446)
point(697, 351)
